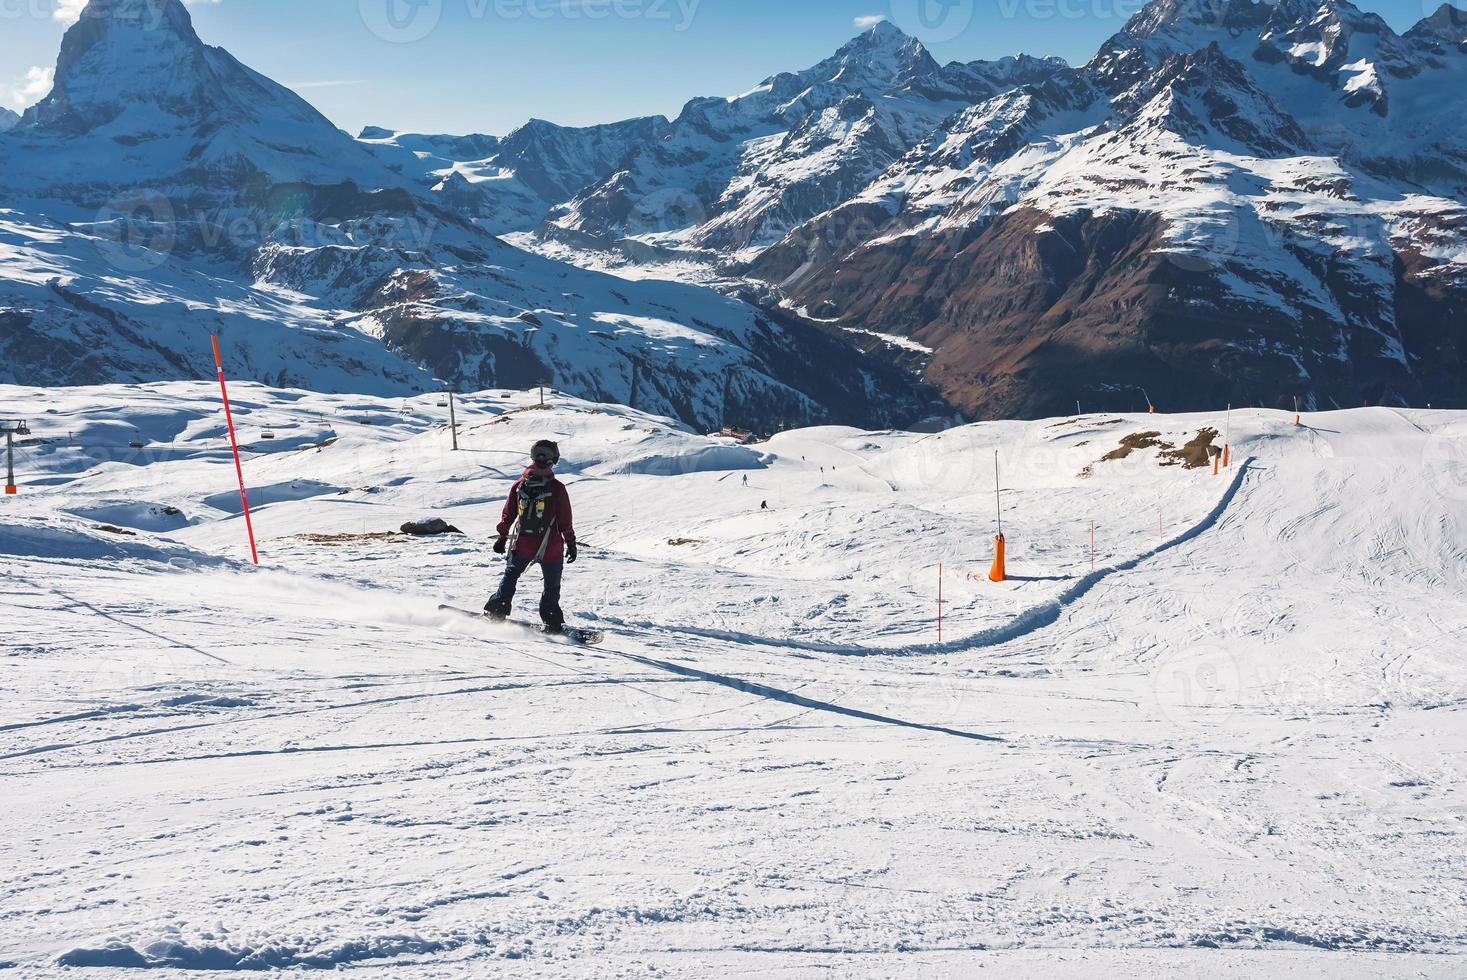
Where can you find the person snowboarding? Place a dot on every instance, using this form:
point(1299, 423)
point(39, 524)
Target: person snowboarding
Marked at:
point(536, 528)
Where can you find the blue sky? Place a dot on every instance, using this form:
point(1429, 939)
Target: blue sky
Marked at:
point(488, 65)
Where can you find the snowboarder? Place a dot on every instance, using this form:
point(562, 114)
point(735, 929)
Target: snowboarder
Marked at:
point(538, 516)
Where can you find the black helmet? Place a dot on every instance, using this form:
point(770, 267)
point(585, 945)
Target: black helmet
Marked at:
point(545, 452)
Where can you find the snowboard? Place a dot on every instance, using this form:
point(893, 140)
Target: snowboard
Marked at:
point(575, 634)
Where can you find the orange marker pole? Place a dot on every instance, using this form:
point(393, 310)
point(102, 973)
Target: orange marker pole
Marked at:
point(1228, 440)
point(234, 445)
point(998, 573)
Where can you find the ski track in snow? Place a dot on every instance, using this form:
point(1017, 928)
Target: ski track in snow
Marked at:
point(1233, 749)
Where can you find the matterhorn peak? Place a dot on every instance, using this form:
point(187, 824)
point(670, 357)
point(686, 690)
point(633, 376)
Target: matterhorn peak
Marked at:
point(122, 56)
point(134, 74)
point(880, 58)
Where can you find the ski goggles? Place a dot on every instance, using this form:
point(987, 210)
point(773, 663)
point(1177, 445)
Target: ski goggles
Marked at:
point(545, 459)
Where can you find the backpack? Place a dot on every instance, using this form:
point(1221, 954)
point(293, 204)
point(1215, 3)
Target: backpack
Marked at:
point(536, 507)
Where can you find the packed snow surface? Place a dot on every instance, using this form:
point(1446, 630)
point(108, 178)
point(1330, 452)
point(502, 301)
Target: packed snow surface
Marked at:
point(1227, 742)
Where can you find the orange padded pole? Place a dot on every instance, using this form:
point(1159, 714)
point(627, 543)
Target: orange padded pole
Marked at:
point(998, 574)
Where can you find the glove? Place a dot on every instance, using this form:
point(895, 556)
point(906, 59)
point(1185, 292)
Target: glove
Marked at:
point(570, 553)
point(500, 545)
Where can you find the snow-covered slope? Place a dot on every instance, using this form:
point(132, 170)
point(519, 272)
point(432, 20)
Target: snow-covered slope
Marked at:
point(1231, 750)
point(258, 219)
point(78, 308)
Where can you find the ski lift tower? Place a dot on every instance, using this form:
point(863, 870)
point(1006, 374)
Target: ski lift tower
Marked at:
point(12, 428)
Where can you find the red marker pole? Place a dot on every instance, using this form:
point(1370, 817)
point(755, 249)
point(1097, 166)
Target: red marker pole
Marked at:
point(234, 444)
point(939, 603)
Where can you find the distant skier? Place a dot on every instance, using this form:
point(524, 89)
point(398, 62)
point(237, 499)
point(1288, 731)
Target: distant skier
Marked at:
point(746, 479)
point(537, 516)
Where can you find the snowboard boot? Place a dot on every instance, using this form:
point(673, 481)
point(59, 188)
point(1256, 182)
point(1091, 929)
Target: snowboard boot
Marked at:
point(554, 624)
point(496, 611)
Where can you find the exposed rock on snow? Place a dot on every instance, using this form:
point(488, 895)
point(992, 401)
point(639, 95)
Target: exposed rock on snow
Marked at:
point(429, 527)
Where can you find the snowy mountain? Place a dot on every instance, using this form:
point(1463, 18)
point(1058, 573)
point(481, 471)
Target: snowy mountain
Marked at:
point(1364, 93)
point(8, 119)
point(140, 101)
point(510, 184)
point(739, 173)
point(234, 207)
point(1232, 201)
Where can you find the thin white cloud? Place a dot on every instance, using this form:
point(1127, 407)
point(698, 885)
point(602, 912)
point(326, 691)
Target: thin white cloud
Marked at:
point(68, 11)
point(870, 20)
point(37, 86)
point(330, 83)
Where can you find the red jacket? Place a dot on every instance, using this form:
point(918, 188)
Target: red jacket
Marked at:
point(562, 533)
